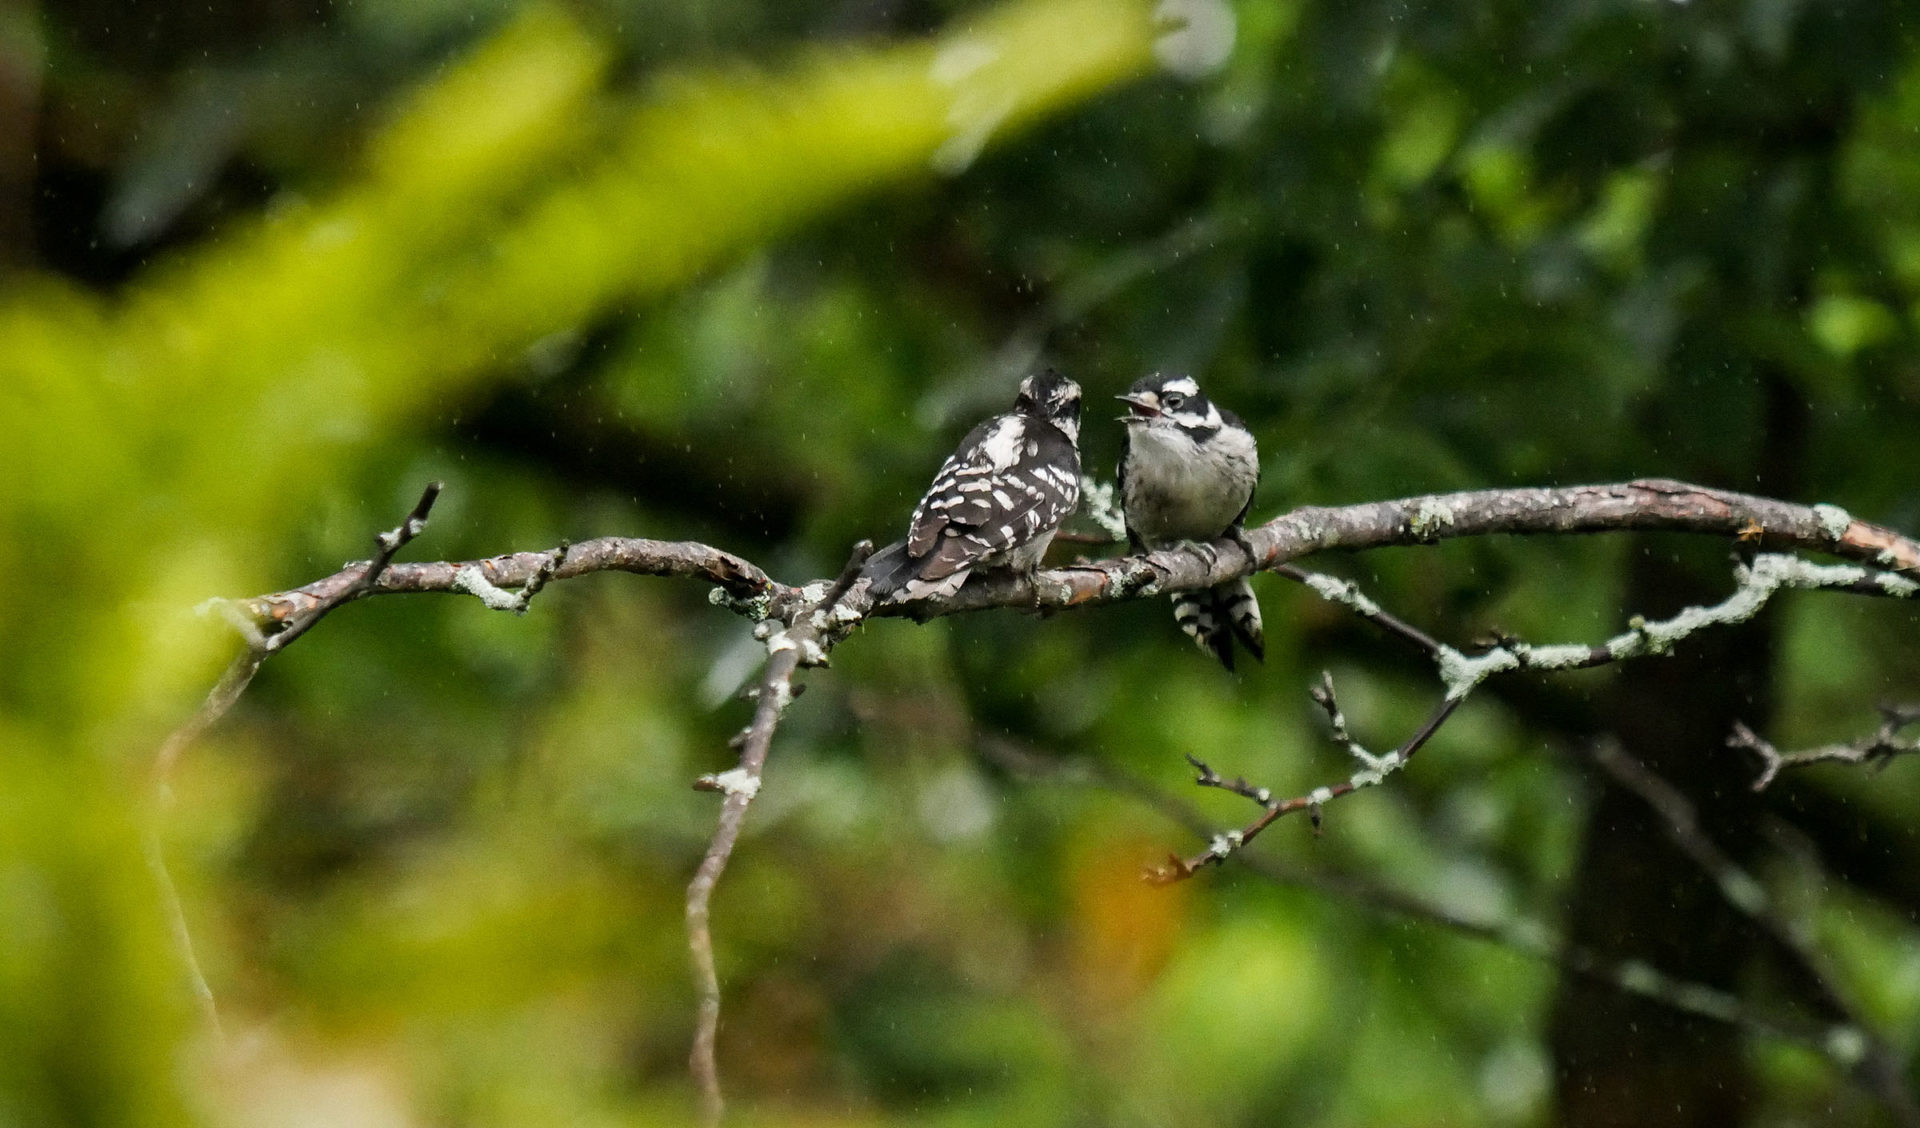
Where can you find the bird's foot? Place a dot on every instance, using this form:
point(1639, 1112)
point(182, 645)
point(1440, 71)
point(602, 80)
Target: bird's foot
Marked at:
point(1238, 535)
point(1204, 550)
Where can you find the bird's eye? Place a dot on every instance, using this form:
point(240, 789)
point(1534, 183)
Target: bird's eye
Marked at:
point(1172, 401)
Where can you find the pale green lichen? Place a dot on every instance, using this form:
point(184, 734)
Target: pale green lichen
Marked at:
point(1335, 590)
point(1898, 586)
point(1834, 521)
point(1377, 768)
point(1562, 656)
point(470, 580)
point(756, 608)
point(1098, 500)
point(1430, 518)
point(734, 781)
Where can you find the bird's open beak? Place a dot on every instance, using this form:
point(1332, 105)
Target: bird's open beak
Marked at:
point(1141, 407)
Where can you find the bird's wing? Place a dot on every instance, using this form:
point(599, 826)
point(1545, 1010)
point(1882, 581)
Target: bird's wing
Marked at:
point(1012, 479)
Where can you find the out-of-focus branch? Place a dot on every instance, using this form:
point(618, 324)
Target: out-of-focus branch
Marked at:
point(1853, 1043)
point(805, 640)
point(1838, 1043)
point(1878, 749)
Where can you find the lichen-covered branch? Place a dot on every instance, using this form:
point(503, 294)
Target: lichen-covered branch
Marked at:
point(802, 623)
point(1639, 506)
point(1630, 506)
point(1460, 674)
point(735, 576)
point(803, 640)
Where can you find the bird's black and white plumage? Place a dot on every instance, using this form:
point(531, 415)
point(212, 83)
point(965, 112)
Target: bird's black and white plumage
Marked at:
point(996, 502)
point(1188, 474)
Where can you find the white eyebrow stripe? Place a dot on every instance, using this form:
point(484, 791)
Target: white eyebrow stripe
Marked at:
point(1183, 384)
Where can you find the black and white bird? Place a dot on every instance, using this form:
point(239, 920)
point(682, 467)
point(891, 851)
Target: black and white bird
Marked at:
point(1188, 474)
point(996, 502)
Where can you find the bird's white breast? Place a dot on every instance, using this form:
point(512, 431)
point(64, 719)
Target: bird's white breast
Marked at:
point(1178, 489)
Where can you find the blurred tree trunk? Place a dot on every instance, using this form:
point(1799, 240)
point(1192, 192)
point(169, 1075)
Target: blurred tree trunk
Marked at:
point(1621, 1060)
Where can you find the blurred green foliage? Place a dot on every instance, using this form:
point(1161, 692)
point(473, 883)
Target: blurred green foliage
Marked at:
point(743, 272)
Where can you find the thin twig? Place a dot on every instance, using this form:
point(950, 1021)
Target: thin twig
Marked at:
point(219, 701)
point(805, 641)
point(367, 576)
point(1759, 581)
point(1522, 936)
point(1370, 611)
point(1877, 749)
point(1223, 845)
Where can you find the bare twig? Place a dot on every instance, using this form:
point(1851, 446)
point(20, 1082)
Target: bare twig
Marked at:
point(805, 641)
point(1877, 749)
point(234, 682)
point(362, 578)
point(1373, 771)
point(1862, 1051)
point(1526, 937)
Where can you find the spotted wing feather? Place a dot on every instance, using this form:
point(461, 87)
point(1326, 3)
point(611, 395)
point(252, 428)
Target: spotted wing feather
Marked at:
point(1012, 481)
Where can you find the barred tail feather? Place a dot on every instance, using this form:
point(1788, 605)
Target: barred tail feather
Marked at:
point(1215, 617)
point(1241, 609)
point(1195, 612)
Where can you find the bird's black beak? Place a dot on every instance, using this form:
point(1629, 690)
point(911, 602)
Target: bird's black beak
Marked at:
point(1141, 406)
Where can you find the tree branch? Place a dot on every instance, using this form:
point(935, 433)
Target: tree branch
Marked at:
point(1878, 749)
point(804, 641)
point(1631, 506)
point(1838, 1043)
point(801, 624)
point(1461, 674)
point(354, 582)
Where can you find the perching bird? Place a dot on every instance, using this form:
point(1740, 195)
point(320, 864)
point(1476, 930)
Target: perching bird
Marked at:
point(1188, 475)
point(997, 500)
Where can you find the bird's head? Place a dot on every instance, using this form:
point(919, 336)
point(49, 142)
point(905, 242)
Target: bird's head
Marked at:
point(1052, 397)
point(1160, 402)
